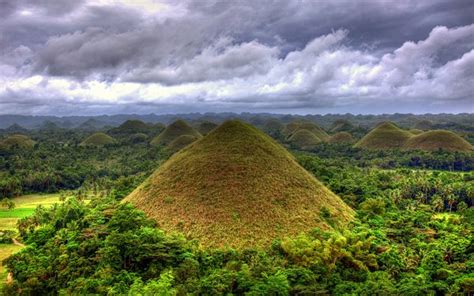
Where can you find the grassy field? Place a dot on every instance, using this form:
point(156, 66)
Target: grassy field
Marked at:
point(25, 206)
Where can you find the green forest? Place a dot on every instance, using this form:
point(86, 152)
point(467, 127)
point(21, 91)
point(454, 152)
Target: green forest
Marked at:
point(386, 210)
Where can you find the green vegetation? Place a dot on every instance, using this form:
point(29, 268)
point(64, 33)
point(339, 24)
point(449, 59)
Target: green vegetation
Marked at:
point(173, 131)
point(424, 125)
point(303, 139)
point(438, 139)
point(341, 138)
point(341, 125)
point(181, 142)
point(98, 140)
point(6, 250)
point(408, 231)
point(385, 136)
point(415, 131)
point(293, 127)
point(236, 187)
point(16, 142)
point(206, 127)
point(399, 243)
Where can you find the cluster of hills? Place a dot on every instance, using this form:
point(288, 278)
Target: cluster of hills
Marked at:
point(298, 134)
point(389, 136)
point(233, 184)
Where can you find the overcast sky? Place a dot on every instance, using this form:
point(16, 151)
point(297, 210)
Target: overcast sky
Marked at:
point(62, 57)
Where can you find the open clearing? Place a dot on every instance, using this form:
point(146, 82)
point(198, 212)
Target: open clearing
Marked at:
point(24, 206)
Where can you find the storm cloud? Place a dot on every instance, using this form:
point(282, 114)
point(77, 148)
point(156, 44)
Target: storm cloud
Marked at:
point(71, 57)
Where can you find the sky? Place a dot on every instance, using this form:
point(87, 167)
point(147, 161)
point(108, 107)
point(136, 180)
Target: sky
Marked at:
point(62, 57)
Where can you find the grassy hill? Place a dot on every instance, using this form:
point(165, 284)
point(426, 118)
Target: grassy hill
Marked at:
point(173, 131)
point(98, 139)
point(181, 142)
point(341, 125)
point(303, 139)
point(424, 125)
point(438, 139)
point(237, 187)
point(385, 135)
point(206, 127)
point(415, 131)
point(130, 127)
point(294, 126)
point(341, 137)
point(17, 141)
point(137, 138)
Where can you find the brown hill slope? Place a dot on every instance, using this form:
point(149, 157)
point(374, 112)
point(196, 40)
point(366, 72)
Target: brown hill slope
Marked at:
point(236, 187)
point(438, 139)
point(174, 131)
point(341, 137)
point(385, 136)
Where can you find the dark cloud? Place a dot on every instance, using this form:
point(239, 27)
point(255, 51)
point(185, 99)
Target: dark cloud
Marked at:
point(229, 55)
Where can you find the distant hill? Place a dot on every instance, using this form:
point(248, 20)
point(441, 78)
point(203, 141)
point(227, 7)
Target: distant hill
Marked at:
point(137, 138)
point(16, 129)
point(385, 135)
point(237, 187)
point(303, 139)
point(341, 125)
point(294, 126)
point(130, 127)
point(341, 138)
point(206, 127)
point(16, 141)
point(181, 142)
point(173, 131)
point(424, 125)
point(91, 125)
point(98, 139)
point(438, 139)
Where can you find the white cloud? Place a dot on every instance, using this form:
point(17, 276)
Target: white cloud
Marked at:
point(326, 72)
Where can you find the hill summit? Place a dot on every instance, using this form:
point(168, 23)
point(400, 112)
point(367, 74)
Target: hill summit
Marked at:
point(237, 187)
point(385, 135)
point(174, 131)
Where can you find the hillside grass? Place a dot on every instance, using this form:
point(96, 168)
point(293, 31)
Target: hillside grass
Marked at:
point(438, 139)
point(181, 142)
point(385, 136)
point(341, 137)
point(304, 139)
point(98, 139)
point(17, 141)
point(293, 127)
point(237, 187)
point(173, 131)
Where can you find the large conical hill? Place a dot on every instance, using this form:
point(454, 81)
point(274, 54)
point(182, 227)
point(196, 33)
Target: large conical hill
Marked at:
point(385, 135)
point(438, 139)
point(174, 131)
point(237, 187)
